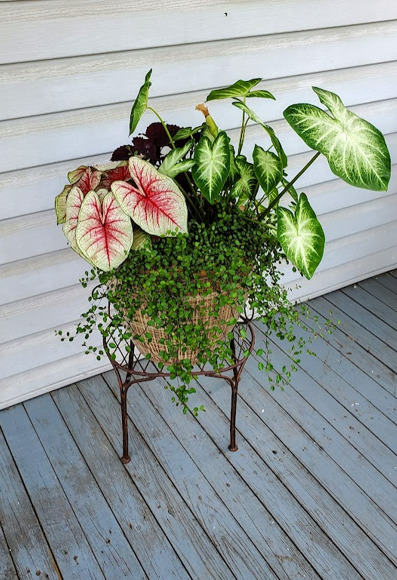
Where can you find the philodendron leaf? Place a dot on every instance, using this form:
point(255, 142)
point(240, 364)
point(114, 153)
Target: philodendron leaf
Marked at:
point(261, 95)
point(187, 132)
point(212, 165)
point(238, 89)
point(356, 151)
point(275, 141)
point(245, 185)
point(301, 236)
point(174, 163)
point(268, 168)
point(140, 104)
point(155, 203)
point(104, 232)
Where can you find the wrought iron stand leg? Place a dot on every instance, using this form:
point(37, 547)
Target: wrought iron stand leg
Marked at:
point(124, 422)
point(233, 408)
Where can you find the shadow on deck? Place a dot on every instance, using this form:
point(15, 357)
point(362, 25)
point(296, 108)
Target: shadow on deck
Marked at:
point(311, 493)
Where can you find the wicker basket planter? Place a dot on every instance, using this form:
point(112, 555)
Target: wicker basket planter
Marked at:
point(203, 306)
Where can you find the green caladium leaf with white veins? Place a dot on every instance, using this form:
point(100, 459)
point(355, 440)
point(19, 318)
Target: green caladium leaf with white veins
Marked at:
point(356, 151)
point(212, 165)
point(301, 236)
point(174, 163)
point(268, 168)
point(140, 104)
point(275, 141)
point(245, 186)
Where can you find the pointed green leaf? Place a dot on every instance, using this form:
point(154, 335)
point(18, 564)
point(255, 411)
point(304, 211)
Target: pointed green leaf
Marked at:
point(238, 89)
point(301, 236)
point(275, 141)
point(356, 151)
point(173, 164)
point(247, 182)
point(212, 165)
point(187, 132)
point(261, 95)
point(140, 104)
point(268, 168)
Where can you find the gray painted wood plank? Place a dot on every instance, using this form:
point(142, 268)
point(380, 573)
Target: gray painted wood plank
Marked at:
point(24, 536)
point(374, 287)
point(389, 281)
point(7, 568)
point(354, 348)
point(139, 525)
point(63, 532)
point(181, 525)
point(223, 531)
point(259, 523)
point(355, 547)
point(346, 474)
point(362, 456)
point(366, 338)
point(370, 321)
point(355, 404)
point(114, 554)
point(342, 366)
point(378, 308)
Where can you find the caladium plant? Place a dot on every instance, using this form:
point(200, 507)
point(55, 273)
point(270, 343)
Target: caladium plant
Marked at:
point(171, 177)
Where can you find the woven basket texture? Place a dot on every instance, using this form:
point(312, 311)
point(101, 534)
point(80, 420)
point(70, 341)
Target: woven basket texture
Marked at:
point(203, 306)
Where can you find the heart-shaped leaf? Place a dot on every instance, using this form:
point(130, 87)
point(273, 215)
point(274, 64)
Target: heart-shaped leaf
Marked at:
point(140, 104)
point(212, 165)
point(73, 206)
point(301, 236)
point(268, 168)
point(244, 187)
point(356, 151)
point(275, 141)
point(85, 178)
point(156, 203)
point(173, 164)
point(238, 89)
point(60, 204)
point(104, 232)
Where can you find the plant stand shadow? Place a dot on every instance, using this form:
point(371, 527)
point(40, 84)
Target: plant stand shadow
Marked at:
point(130, 368)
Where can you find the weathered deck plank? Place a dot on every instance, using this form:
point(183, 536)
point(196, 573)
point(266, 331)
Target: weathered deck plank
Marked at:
point(113, 553)
point(26, 543)
point(312, 492)
point(217, 523)
point(151, 545)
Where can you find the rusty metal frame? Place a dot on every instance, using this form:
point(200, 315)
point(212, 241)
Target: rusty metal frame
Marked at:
point(135, 369)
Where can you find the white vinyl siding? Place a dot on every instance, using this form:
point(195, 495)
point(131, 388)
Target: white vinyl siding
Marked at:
point(68, 74)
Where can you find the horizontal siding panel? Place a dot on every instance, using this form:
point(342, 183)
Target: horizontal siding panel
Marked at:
point(64, 84)
point(40, 274)
point(49, 377)
point(52, 138)
point(96, 28)
point(41, 348)
point(29, 316)
point(35, 234)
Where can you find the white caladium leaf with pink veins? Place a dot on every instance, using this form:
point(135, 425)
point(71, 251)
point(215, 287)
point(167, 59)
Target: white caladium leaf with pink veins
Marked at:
point(104, 232)
point(73, 205)
point(86, 179)
point(156, 203)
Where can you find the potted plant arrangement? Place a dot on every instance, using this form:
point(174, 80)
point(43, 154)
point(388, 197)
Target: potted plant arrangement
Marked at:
point(182, 228)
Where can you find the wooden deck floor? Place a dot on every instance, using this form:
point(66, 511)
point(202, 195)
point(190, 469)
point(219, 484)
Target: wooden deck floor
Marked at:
point(311, 493)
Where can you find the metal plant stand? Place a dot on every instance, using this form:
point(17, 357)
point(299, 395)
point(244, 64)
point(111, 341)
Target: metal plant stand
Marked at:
point(130, 369)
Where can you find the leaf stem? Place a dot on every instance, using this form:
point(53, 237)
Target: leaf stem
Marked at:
point(286, 188)
point(164, 126)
